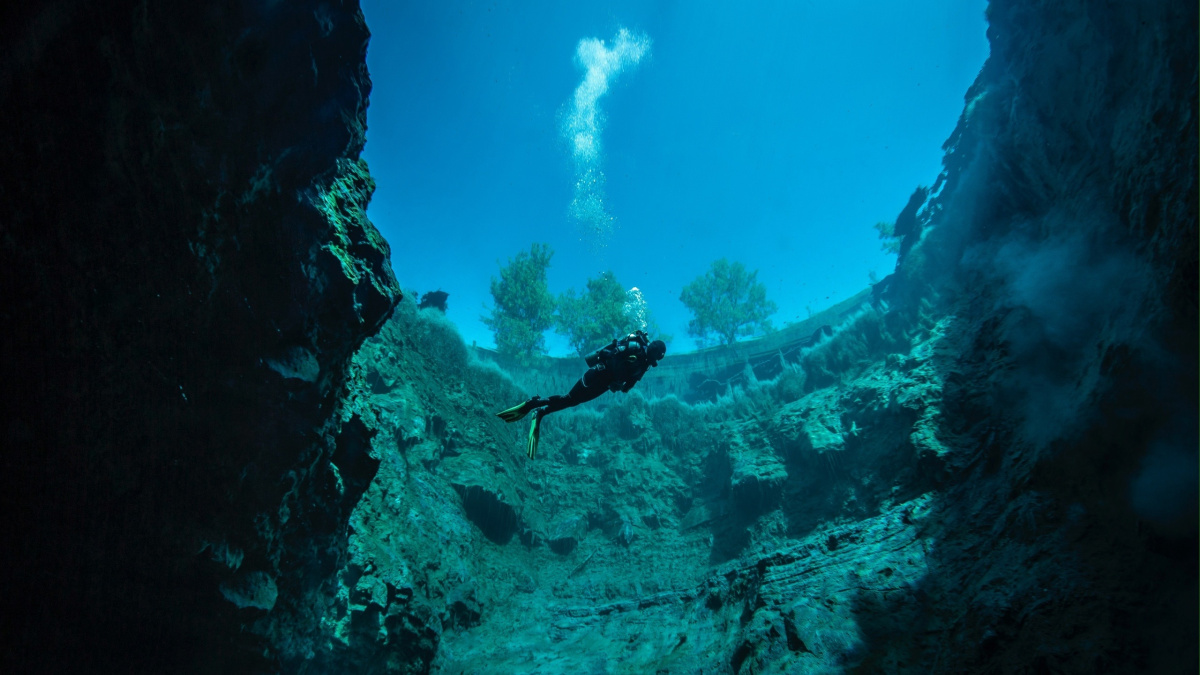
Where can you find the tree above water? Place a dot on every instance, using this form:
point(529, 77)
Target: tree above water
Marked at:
point(602, 312)
point(524, 307)
point(727, 302)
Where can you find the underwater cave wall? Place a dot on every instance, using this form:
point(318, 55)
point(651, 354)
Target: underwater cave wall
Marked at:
point(1065, 220)
point(186, 268)
point(1081, 124)
point(1061, 241)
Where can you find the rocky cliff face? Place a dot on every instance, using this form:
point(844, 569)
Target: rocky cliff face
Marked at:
point(187, 269)
point(992, 469)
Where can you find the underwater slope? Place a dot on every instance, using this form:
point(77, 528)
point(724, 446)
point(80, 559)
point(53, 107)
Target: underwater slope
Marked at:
point(187, 268)
point(991, 469)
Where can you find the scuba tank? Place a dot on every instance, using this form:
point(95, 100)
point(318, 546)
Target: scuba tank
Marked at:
point(600, 354)
point(613, 348)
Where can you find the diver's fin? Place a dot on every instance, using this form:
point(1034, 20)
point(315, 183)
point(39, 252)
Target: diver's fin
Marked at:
point(517, 411)
point(535, 430)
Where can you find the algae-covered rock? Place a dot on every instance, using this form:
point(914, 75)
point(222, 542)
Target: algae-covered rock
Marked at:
point(758, 475)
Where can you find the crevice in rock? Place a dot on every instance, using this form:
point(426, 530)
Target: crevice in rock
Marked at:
point(496, 519)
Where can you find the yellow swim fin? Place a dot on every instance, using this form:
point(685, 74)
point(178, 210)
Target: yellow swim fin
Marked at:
point(535, 429)
point(517, 411)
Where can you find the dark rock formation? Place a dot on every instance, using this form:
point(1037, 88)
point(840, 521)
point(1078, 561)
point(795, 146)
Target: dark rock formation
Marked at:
point(1062, 239)
point(187, 268)
point(496, 519)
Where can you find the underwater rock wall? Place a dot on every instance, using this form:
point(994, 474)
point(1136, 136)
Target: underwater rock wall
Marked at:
point(638, 540)
point(991, 469)
point(1079, 125)
point(187, 269)
point(1061, 241)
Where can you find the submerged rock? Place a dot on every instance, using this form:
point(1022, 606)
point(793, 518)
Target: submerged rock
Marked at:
point(254, 589)
point(758, 476)
point(188, 269)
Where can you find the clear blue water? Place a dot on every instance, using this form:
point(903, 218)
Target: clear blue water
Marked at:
point(775, 134)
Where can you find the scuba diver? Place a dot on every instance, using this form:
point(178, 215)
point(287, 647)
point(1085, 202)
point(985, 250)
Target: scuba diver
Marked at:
point(616, 367)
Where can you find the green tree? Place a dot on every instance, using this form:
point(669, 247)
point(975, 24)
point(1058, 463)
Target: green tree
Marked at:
point(591, 319)
point(524, 307)
point(727, 302)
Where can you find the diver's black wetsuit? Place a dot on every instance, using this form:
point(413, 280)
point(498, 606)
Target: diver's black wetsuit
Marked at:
point(617, 367)
point(621, 364)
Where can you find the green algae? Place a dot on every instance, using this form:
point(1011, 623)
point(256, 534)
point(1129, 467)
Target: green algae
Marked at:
point(359, 249)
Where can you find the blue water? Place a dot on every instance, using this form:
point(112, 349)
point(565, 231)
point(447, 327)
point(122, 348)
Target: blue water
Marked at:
point(775, 134)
